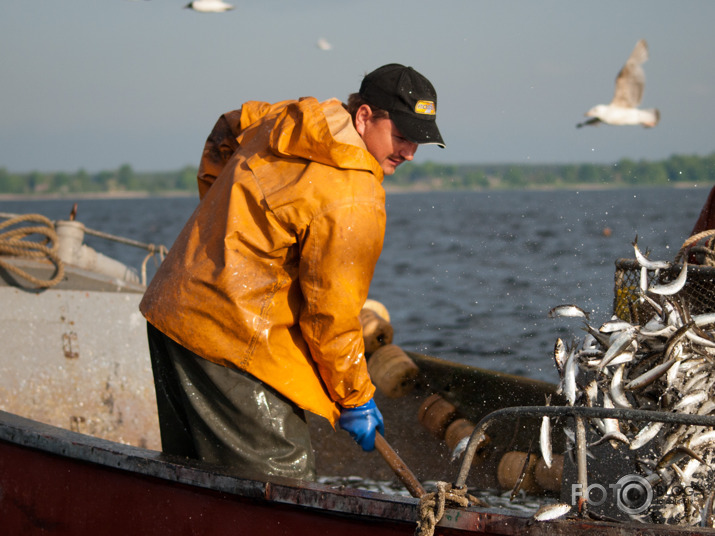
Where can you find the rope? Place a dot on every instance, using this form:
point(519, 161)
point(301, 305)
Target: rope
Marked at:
point(432, 506)
point(692, 240)
point(12, 242)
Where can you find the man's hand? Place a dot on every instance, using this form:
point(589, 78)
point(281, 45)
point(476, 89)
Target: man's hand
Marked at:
point(361, 423)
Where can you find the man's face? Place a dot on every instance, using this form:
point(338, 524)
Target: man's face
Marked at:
point(383, 140)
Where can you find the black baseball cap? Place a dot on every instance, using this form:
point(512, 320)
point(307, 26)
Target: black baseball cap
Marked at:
point(410, 99)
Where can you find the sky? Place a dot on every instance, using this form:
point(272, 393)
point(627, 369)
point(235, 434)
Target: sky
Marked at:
point(96, 84)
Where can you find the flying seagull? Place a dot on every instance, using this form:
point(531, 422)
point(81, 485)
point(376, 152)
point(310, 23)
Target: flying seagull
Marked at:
point(623, 109)
point(209, 6)
point(323, 44)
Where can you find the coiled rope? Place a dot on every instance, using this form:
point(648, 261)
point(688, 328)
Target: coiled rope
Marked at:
point(14, 242)
point(432, 506)
point(705, 250)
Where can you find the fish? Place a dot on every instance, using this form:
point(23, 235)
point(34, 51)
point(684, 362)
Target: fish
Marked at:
point(663, 362)
point(615, 324)
point(612, 437)
point(618, 393)
point(674, 286)
point(545, 438)
point(569, 379)
point(567, 311)
point(691, 399)
point(704, 319)
point(643, 284)
point(623, 341)
point(547, 512)
point(560, 352)
point(649, 376)
point(644, 262)
point(522, 474)
point(704, 438)
point(676, 454)
point(612, 427)
point(645, 435)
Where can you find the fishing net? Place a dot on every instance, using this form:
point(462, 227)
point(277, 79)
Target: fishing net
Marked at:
point(698, 294)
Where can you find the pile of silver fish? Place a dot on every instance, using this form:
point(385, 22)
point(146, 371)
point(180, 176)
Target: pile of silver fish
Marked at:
point(665, 363)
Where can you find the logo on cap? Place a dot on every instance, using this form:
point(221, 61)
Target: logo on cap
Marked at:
point(425, 107)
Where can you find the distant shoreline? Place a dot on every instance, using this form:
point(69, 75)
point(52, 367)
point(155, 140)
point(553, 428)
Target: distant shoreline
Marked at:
point(389, 189)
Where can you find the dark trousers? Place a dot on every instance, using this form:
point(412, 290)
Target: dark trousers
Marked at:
point(225, 416)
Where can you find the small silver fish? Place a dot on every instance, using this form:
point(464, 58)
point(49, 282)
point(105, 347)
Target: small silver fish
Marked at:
point(676, 454)
point(674, 286)
point(569, 311)
point(569, 382)
point(704, 438)
point(560, 351)
point(548, 512)
point(618, 393)
point(691, 399)
point(613, 325)
point(650, 376)
point(620, 344)
point(646, 434)
point(545, 438)
point(612, 437)
point(647, 263)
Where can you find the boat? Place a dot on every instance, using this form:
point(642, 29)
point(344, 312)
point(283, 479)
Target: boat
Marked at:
point(80, 450)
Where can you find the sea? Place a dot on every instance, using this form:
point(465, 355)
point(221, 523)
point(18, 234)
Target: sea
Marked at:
point(467, 276)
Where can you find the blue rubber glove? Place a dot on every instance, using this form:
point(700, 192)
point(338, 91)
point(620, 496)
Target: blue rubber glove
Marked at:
point(361, 423)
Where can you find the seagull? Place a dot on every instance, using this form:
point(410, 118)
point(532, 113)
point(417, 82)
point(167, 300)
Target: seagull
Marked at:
point(209, 6)
point(623, 109)
point(323, 44)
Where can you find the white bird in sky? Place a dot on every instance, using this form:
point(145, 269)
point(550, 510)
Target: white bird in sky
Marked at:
point(209, 6)
point(623, 109)
point(323, 44)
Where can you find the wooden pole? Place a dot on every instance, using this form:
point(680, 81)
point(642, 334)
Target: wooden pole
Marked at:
point(398, 466)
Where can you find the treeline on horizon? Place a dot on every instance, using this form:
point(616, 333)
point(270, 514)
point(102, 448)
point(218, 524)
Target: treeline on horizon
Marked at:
point(427, 176)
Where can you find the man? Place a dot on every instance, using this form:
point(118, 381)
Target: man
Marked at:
point(253, 315)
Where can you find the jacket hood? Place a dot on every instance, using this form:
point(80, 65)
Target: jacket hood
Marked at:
point(318, 131)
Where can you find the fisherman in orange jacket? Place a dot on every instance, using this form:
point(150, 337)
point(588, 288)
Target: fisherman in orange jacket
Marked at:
point(253, 317)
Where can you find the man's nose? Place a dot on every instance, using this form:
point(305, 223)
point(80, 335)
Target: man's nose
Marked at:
point(408, 151)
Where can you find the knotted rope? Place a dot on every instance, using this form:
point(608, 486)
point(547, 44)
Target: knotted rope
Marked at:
point(432, 506)
point(13, 242)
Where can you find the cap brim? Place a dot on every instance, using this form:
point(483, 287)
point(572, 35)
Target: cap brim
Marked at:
point(422, 131)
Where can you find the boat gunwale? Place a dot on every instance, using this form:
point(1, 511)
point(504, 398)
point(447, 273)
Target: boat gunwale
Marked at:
point(23, 432)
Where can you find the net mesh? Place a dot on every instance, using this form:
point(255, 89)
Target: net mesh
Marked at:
point(698, 294)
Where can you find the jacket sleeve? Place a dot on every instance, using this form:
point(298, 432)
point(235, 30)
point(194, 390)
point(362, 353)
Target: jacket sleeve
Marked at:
point(338, 259)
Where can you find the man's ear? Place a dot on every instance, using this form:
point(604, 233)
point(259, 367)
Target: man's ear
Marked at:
point(362, 116)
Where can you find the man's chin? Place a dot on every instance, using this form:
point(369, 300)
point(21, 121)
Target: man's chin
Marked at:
point(389, 168)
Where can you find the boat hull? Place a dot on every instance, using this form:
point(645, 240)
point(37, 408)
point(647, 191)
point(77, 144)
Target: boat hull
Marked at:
point(58, 482)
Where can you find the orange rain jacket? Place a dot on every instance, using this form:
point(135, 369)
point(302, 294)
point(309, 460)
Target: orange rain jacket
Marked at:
point(272, 269)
